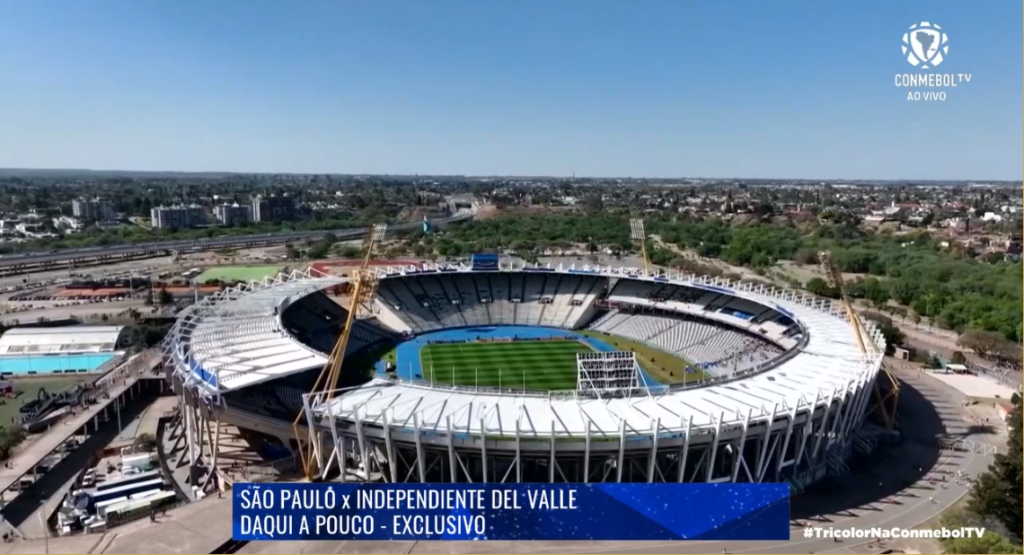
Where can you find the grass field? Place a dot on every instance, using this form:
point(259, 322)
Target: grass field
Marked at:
point(28, 389)
point(537, 365)
point(238, 273)
point(664, 367)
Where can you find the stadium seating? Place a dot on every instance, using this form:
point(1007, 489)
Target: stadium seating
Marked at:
point(702, 342)
point(434, 301)
point(280, 399)
point(430, 302)
point(317, 321)
point(399, 297)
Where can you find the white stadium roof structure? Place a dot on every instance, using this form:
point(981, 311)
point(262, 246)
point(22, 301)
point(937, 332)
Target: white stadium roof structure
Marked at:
point(234, 339)
point(63, 339)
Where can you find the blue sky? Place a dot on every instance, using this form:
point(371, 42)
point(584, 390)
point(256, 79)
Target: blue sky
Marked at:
point(670, 88)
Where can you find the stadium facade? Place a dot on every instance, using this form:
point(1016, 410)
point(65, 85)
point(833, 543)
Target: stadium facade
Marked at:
point(788, 393)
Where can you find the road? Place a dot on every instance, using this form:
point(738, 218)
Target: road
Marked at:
point(73, 255)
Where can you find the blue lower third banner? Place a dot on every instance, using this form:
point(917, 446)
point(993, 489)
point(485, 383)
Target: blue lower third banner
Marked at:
point(510, 512)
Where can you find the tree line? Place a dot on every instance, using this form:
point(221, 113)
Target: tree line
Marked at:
point(912, 271)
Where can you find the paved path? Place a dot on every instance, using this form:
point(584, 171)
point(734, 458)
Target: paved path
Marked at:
point(929, 408)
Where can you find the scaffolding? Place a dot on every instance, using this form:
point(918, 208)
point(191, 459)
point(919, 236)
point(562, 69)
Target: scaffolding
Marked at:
point(609, 372)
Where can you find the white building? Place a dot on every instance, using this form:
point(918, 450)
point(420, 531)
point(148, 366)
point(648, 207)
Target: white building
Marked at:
point(177, 216)
point(231, 214)
point(93, 210)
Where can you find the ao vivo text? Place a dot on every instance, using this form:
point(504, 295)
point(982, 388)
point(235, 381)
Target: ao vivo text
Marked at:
point(927, 96)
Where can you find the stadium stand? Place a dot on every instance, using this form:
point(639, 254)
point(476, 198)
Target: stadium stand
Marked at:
point(317, 321)
point(428, 302)
point(715, 346)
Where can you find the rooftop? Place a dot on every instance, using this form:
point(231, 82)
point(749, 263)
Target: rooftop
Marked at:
point(66, 339)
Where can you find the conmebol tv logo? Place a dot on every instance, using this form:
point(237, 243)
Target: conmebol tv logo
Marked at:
point(925, 45)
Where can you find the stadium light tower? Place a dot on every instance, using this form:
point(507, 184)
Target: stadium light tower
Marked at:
point(364, 289)
point(885, 401)
point(636, 231)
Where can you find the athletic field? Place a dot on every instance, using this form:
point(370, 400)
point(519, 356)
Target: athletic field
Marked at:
point(533, 365)
point(238, 273)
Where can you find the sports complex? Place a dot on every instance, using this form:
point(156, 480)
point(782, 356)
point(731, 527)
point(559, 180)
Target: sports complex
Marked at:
point(492, 371)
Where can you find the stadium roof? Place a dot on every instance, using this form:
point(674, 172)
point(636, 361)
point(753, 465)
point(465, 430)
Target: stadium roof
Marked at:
point(236, 337)
point(66, 339)
point(236, 340)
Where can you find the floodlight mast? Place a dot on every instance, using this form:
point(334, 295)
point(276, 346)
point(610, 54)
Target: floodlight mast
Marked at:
point(636, 230)
point(886, 402)
point(364, 288)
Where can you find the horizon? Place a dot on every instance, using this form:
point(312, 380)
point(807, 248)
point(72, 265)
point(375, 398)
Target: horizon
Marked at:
point(601, 90)
point(13, 171)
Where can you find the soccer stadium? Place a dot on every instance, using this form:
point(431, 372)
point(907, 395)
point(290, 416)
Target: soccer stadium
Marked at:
point(492, 371)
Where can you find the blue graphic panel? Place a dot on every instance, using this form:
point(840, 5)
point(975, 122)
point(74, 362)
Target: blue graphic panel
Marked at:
point(620, 512)
point(485, 262)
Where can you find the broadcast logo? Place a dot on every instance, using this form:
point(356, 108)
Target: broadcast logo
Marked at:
point(926, 46)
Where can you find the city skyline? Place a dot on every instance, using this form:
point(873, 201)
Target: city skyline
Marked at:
point(701, 90)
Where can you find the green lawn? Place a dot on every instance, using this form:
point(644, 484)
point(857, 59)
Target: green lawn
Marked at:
point(238, 273)
point(664, 367)
point(537, 365)
point(27, 389)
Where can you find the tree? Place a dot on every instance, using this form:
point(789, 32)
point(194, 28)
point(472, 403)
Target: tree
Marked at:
point(817, 286)
point(958, 358)
point(145, 441)
point(892, 334)
point(165, 297)
point(9, 439)
point(991, 542)
point(319, 250)
point(983, 342)
point(1000, 490)
point(349, 252)
point(291, 252)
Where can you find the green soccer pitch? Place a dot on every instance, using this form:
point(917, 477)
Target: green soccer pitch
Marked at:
point(533, 365)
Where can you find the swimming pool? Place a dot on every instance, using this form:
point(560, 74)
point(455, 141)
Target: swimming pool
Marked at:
point(53, 364)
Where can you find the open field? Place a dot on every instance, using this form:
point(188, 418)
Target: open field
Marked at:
point(535, 365)
point(664, 367)
point(239, 273)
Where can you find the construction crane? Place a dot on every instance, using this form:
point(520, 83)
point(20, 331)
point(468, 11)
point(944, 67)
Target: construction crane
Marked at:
point(363, 283)
point(636, 231)
point(885, 401)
